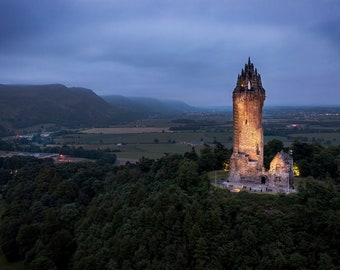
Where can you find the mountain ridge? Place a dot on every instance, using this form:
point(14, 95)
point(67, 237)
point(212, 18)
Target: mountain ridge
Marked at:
point(27, 105)
point(148, 106)
point(22, 106)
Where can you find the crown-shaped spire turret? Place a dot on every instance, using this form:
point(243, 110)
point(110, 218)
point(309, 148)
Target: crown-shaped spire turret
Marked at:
point(249, 79)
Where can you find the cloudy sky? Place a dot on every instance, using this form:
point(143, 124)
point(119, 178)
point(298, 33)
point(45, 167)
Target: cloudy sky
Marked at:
point(189, 50)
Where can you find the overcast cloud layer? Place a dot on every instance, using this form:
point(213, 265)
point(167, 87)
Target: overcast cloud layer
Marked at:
point(183, 50)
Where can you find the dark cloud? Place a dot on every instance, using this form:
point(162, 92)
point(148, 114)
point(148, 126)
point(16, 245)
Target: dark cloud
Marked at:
point(189, 50)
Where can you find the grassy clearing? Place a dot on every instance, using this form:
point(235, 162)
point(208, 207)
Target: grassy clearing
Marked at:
point(220, 174)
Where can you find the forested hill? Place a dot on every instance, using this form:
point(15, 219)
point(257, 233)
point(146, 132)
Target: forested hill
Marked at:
point(160, 214)
point(27, 105)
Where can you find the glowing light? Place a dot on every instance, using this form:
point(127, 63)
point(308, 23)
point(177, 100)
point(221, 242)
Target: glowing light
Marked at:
point(226, 166)
point(296, 170)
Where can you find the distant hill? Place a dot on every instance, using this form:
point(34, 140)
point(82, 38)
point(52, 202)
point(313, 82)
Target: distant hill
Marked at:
point(27, 105)
point(146, 107)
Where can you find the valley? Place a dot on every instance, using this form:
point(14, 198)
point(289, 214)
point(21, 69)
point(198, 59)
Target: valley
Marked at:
point(177, 134)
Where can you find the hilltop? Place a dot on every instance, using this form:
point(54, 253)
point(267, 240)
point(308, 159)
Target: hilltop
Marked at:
point(28, 105)
point(22, 106)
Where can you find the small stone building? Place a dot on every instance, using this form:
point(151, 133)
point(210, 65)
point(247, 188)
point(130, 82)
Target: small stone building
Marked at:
point(281, 171)
point(246, 162)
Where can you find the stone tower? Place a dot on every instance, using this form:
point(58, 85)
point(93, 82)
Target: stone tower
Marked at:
point(246, 162)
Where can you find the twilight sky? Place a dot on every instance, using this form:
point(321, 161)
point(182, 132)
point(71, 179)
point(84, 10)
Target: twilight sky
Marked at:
point(189, 50)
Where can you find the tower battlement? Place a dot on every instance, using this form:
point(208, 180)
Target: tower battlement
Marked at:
point(249, 80)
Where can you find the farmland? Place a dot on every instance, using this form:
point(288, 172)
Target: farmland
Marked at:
point(151, 144)
point(154, 137)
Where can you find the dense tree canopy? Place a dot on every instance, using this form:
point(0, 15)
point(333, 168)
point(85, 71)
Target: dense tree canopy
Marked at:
point(316, 160)
point(164, 214)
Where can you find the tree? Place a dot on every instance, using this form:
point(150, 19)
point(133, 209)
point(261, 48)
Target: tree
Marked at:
point(303, 150)
point(201, 254)
point(42, 263)
point(222, 154)
point(188, 175)
point(26, 238)
point(192, 155)
point(206, 160)
point(324, 164)
point(61, 247)
point(325, 262)
point(68, 215)
point(270, 150)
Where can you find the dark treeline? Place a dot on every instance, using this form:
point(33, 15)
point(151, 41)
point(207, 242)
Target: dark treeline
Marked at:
point(161, 214)
point(190, 124)
point(311, 159)
point(279, 131)
point(316, 160)
point(103, 156)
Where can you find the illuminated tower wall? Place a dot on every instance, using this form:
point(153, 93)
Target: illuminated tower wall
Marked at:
point(248, 100)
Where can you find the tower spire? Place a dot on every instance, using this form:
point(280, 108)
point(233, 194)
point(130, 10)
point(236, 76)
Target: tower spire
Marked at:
point(249, 76)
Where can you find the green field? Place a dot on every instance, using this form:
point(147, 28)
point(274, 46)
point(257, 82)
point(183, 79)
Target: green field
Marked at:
point(155, 144)
point(163, 137)
point(151, 144)
point(154, 137)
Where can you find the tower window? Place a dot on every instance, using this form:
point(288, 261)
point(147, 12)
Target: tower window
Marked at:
point(246, 122)
point(249, 85)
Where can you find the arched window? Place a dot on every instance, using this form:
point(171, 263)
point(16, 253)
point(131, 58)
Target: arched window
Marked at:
point(249, 85)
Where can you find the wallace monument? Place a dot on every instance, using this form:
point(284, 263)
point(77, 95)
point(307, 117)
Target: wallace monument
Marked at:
point(246, 162)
